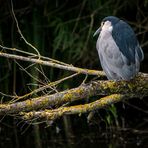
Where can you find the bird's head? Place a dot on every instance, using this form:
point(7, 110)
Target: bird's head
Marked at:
point(107, 24)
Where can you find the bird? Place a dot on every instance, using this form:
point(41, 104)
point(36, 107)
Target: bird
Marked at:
point(119, 51)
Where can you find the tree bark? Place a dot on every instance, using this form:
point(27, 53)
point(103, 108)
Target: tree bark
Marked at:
point(134, 88)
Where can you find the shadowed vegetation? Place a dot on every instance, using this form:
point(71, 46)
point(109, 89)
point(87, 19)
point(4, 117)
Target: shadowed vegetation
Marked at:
point(63, 30)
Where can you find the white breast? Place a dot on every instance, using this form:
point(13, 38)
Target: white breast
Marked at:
point(107, 26)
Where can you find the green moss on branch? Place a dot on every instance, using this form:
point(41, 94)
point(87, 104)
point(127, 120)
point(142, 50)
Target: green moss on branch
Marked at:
point(137, 88)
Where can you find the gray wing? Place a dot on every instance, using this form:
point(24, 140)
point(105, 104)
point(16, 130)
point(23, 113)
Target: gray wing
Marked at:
point(127, 42)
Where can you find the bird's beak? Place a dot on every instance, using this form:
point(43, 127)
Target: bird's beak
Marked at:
point(97, 32)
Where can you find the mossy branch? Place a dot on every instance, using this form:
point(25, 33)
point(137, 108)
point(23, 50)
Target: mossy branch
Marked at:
point(135, 88)
point(51, 115)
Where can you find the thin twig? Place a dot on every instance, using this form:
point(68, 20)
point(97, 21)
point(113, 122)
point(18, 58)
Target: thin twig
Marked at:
point(32, 54)
point(19, 31)
point(44, 87)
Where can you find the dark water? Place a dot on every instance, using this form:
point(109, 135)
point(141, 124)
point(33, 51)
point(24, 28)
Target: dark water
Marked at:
point(110, 138)
point(76, 132)
point(105, 140)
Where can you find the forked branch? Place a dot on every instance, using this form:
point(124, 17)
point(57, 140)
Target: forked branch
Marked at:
point(135, 88)
point(51, 115)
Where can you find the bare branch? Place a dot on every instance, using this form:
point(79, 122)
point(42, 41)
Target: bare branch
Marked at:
point(22, 36)
point(52, 64)
point(44, 87)
point(33, 55)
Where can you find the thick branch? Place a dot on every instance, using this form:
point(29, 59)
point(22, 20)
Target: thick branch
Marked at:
point(136, 88)
point(50, 115)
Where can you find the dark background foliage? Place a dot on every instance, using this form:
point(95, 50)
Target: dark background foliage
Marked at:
point(63, 30)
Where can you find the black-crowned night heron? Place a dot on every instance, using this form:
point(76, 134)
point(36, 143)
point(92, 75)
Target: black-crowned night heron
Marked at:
point(118, 48)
